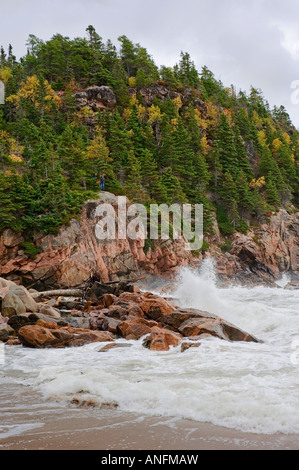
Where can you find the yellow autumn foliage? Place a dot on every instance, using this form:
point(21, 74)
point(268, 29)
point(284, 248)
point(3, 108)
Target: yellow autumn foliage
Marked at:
point(15, 158)
point(257, 120)
point(202, 123)
point(262, 137)
point(98, 148)
point(11, 146)
point(275, 145)
point(205, 145)
point(287, 138)
point(154, 114)
point(31, 89)
point(5, 73)
point(126, 114)
point(174, 123)
point(131, 82)
point(177, 102)
point(213, 114)
point(258, 183)
point(83, 115)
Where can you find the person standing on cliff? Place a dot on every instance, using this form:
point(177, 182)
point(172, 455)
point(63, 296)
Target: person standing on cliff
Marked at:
point(102, 182)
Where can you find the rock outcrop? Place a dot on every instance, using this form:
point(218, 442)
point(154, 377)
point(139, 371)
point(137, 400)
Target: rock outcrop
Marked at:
point(261, 255)
point(75, 254)
point(48, 335)
point(95, 98)
point(129, 315)
point(272, 247)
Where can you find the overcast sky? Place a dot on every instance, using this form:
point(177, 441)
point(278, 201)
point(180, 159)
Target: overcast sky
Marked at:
point(252, 42)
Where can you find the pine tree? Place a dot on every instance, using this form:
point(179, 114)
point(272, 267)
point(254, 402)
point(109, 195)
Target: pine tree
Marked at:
point(173, 188)
point(244, 195)
point(271, 192)
point(228, 156)
point(133, 186)
point(243, 163)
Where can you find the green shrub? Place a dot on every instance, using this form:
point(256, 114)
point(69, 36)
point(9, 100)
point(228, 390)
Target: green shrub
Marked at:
point(30, 249)
point(224, 224)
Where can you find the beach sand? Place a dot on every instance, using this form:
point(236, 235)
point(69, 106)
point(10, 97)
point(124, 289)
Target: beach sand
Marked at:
point(28, 422)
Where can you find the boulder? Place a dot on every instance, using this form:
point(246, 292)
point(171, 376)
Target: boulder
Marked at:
point(87, 337)
point(179, 316)
point(198, 326)
point(135, 328)
point(105, 324)
point(155, 307)
point(6, 283)
point(217, 327)
point(47, 324)
point(110, 346)
point(186, 345)
point(11, 304)
point(50, 311)
point(108, 300)
point(37, 336)
point(13, 341)
point(22, 293)
point(17, 321)
point(161, 339)
point(40, 336)
point(116, 311)
point(6, 331)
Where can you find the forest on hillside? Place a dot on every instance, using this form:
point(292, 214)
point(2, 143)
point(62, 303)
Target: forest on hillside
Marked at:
point(203, 143)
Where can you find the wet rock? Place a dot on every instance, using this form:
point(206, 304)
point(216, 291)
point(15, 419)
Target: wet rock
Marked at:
point(185, 346)
point(13, 341)
point(106, 324)
point(108, 300)
point(134, 328)
point(39, 336)
point(217, 327)
point(155, 307)
point(6, 331)
point(179, 316)
point(116, 311)
point(110, 346)
point(95, 293)
point(36, 336)
point(161, 339)
point(17, 321)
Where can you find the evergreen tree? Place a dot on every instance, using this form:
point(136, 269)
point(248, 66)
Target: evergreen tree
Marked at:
point(173, 188)
point(133, 186)
point(271, 191)
point(228, 156)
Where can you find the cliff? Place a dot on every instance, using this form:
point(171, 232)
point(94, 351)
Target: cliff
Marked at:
point(71, 257)
point(75, 254)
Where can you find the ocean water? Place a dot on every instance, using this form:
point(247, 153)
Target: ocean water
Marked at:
point(246, 386)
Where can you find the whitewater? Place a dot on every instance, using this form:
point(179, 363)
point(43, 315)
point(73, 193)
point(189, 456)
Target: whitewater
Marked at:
point(245, 386)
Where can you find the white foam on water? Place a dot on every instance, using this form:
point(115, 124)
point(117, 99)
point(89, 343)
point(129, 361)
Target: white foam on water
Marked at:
point(246, 386)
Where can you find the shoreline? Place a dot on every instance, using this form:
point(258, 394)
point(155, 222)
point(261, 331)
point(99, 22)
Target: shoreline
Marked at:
point(31, 423)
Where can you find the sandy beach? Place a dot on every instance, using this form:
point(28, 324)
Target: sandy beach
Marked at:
point(30, 423)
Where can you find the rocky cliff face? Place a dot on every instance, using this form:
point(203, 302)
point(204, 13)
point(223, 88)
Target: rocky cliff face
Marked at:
point(71, 257)
point(264, 253)
point(75, 254)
